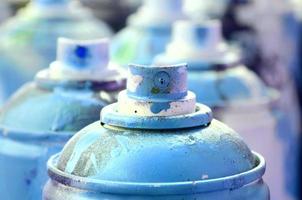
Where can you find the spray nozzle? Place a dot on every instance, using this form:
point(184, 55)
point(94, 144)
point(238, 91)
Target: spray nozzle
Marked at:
point(83, 60)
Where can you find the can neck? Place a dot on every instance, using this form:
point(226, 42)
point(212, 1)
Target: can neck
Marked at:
point(156, 97)
point(156, 91)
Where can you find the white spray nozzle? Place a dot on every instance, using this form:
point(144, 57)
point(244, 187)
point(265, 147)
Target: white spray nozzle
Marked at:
point(201, 34)
point(82, 60)
point(83, 55)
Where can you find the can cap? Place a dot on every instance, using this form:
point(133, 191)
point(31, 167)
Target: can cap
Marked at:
point(202, 35)
point(157, 91)
point(200, 42)
point(82, 60)
point(157, 97)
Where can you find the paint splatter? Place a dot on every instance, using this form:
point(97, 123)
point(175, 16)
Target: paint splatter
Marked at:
point(155, 90)
point(158, 107)
point(82, 52)
point(133, 82)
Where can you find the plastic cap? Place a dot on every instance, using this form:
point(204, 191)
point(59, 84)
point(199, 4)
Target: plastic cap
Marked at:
point(157, 91)
point(81, 55)
point(202, 34)
point(166, 82)
point(83, 60)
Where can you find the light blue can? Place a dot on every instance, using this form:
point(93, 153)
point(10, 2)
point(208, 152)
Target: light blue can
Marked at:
point(28, 40)
point(236, 95)
point(38, 120)
point(162, 145)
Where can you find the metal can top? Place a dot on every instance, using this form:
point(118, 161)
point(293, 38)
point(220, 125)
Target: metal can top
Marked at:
point(157, 95)
point(201, 44)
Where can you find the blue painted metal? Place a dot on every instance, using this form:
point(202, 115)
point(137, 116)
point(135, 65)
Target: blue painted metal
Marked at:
point(147, 33)
point(109, 160)
point(28, 41)
point(38, 120)
point(238, 96)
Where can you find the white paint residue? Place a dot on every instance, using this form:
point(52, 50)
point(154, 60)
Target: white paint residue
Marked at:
point(133, 82)
point(182, 70)
point(205, 176)
point(142, 108)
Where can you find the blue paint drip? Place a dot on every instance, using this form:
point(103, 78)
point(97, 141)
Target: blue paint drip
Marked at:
point(82, 52)
point(201, 35)
point(158, 107)
point(80, 57)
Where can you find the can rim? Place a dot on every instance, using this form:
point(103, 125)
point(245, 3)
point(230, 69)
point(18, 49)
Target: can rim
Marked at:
point(201, 117)
point(170, 188)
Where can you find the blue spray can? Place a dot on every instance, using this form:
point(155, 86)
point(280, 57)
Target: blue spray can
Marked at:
point(28, 40)
point(162, 145)
point(236, 94)
point(42, 115)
